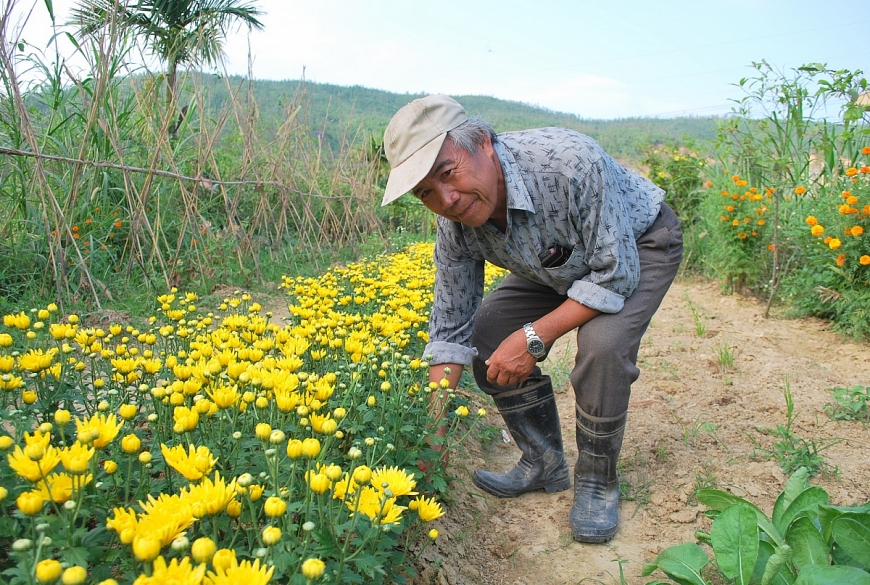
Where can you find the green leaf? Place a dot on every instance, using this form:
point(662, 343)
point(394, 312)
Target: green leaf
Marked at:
point(775, 564)
point(807, 543)
point(782, 576)
point(816, 575)
point(796, 484)
point(851, 531)
point(682, 563)
point(735, 542)
point(719, 500)
point(807, 502)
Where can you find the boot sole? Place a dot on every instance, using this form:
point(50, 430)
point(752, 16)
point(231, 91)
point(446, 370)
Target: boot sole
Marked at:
point(556, 486)
point(594, 538)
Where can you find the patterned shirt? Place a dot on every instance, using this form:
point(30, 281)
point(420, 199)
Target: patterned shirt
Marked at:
point(562, 189)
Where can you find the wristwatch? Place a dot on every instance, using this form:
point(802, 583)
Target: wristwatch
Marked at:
point(534, 344)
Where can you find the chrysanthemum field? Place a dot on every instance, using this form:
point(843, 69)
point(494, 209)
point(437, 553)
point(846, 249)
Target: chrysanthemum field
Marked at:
point(209, 444)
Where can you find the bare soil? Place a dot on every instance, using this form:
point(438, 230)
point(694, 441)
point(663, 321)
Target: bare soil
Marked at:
point(693, 423)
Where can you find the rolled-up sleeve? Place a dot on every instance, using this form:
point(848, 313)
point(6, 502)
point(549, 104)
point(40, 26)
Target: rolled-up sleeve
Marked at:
point(610, 247)
point(459, 278)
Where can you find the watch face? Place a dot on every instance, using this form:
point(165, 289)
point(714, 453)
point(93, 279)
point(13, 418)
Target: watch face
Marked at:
point(536, 347)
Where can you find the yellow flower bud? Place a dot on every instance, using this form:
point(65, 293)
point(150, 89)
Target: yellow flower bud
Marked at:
point(203, 549)
point(234, 509)
point(262, 431)
point(61, 417)
point(128, 411)
point(74, 576)
point(145, 548)
point(274, 507)
point(48, 570)
point(310, 448)
point(110, 466)
point(223, 559)
point(294, 449)
point(130, 444)
point(271, 535)
point(313, 569)
point(145, 457)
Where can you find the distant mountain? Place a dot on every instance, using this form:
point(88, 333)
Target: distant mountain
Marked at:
point(357, 114)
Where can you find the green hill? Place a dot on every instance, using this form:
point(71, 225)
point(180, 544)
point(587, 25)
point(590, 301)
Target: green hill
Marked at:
point(359, 113)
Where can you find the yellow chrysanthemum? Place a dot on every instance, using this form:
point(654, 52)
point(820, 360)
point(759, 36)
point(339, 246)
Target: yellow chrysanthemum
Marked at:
point(77, 457)
point(210, 497)
point(33, 471)
point(376, 506)
point(176, 572)
point(245, 572)
point(193, 464)
point(103, 427)
point(398, 481)
point(60, 487)
point(427, 509)
point(164, 518)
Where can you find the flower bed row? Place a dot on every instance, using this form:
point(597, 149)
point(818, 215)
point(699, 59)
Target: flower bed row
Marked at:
point(217, 446)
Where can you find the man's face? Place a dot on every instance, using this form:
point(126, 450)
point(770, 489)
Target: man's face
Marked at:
point(463, 187)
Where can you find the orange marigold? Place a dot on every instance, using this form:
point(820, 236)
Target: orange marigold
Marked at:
point(865, 150)
point(864, 170)
point(851, 172)
point(841, 260)
point(852, 200)
point(864, 260)
point(835, 243)
point(856, 230)
point(817, 230)
point(800, 190)
point(811, 220)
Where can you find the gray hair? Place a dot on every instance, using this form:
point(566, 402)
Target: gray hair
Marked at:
point(471, 135)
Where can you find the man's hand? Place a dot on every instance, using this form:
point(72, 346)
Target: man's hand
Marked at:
point(511, 363)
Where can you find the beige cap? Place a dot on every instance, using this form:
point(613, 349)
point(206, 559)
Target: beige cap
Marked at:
point(413, 140)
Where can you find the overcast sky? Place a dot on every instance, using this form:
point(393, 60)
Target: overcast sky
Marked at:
point(591, 58)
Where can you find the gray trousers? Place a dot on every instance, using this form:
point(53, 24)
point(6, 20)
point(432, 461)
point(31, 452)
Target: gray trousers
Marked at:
point(606, 362)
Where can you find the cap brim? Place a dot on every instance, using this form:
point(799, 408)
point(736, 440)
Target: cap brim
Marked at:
point(405, 176)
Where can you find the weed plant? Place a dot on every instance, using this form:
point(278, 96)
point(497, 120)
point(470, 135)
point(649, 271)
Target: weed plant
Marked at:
point(850, 404)
point(790, 451)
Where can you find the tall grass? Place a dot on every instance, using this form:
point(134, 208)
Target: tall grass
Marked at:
point(102, 185)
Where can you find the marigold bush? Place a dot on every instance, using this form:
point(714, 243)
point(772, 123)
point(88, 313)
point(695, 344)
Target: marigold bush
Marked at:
point(284, 453)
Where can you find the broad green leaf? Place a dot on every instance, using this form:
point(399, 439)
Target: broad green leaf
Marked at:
point(796, 484)
point(735, 542)
point(681, 573)
point(719, 500)
point(851, 531)
point(807, 543)
point(815, 575)
point(781, 558)
point(682, 563)
point(781, 576)
point(807, 502)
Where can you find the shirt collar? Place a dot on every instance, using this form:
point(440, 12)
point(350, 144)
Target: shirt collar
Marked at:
point(517, 196)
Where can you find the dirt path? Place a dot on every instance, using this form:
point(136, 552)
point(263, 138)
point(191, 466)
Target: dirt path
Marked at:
point(691, 424)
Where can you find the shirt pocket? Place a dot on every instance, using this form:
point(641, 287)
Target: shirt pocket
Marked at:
point(564, 275)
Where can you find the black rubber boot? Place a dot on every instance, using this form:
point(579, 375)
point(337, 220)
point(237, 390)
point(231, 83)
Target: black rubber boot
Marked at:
point(594, 515)
point(533, 421)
